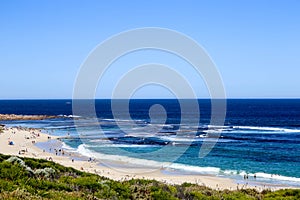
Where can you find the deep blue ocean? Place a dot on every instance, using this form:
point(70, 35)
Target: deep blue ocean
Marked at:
point(259, 136)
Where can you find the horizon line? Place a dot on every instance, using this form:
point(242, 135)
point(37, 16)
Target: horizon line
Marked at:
point(234, 98)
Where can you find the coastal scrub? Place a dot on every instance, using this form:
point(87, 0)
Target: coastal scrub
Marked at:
point(28, 178)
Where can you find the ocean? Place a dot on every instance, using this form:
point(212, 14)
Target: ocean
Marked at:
point(259, 136)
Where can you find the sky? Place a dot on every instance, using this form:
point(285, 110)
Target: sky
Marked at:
point(254, 44)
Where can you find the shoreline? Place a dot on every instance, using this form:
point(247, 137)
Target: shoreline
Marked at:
point(24, 145)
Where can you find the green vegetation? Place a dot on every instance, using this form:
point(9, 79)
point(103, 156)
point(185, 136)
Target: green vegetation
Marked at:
point(28, 178)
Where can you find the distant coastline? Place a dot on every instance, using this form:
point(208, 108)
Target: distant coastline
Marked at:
point(5, 117)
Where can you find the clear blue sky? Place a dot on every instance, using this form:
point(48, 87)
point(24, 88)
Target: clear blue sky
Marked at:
point(255, 44)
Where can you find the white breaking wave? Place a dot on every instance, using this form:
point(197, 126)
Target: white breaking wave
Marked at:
point(84, 151)
point(70, 116)
point(122, 120)
point(181, 167)
point(267, 129)
point(148, 163)
point(195, 169)
point(125, 159)
point(59, 127)
point(127, 145)
point(200, 138)
point(67, 147)
point(277, 177)
point(261, 175)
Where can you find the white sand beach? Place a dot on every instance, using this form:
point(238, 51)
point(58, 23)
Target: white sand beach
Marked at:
point(23, 142)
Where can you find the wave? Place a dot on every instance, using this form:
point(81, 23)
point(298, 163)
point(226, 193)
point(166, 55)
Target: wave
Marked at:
point(136, 142)
point(67, 147)
point(195, 169)
point(109, 144)
point(260, 128)
point(213, 128)
point(197, 139)
point(277, 177)
point(130, 145)
point(83, 150)
point(109, 120)
point(69, 116)
point(260, 176)
point(148, 163)
point(59, 127)
point(123, 120)
point(224, 129)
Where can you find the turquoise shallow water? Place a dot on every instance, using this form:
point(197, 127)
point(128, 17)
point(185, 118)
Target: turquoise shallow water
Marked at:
point(260, 137)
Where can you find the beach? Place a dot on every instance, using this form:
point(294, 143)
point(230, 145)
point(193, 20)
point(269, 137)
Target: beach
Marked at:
point(20, 141)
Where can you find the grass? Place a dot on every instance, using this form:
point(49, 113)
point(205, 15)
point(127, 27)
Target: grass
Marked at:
point(40, 179)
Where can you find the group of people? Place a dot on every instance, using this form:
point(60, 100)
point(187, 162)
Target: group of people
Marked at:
point(246, 176)
point(58, 152)
point(23, 151)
